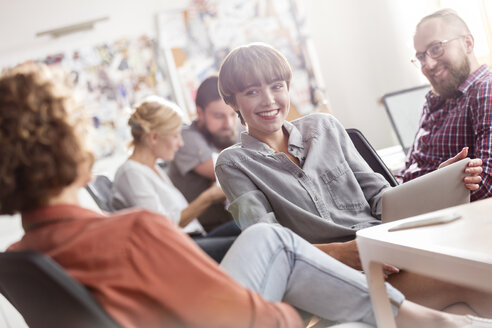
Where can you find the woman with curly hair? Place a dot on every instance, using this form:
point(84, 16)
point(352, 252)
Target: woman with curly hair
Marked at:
point(142, 269)
point(41, 152)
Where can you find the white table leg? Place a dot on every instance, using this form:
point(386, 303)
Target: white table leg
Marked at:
point(379, 296)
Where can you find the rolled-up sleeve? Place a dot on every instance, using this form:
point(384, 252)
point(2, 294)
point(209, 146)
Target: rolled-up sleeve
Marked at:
point(248, 204)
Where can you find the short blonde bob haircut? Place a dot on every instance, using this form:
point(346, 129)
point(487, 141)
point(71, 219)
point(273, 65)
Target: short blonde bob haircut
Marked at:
point(250, 64)
point(154, 114)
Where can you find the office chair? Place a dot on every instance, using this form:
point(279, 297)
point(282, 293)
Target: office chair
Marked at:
point(100, 190)
point(46, 296)
point(371, 156)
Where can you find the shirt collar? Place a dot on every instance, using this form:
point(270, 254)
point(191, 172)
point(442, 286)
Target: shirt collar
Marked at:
point(295, 136)
point(472, 78)
point(53, 212)
point(295, 139)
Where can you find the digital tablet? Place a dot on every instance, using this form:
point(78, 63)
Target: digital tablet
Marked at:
point(431, 192)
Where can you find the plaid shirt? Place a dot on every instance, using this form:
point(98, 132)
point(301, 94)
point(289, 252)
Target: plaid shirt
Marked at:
point(448, 125)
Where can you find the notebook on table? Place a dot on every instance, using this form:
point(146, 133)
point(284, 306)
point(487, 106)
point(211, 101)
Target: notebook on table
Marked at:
point(434, 191)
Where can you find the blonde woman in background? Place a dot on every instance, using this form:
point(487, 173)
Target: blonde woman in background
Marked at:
point(140, 181)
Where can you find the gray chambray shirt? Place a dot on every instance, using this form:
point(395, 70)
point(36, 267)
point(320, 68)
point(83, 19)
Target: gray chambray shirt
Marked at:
point(328, 198)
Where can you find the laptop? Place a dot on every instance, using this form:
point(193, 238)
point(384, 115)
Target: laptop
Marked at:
point(404, 109)
point(431, 192)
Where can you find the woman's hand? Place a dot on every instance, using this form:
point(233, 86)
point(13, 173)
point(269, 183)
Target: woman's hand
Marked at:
point(473, 169)
point(348, 254)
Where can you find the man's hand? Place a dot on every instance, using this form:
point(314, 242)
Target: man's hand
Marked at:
point(348, 254)
point(473, 169)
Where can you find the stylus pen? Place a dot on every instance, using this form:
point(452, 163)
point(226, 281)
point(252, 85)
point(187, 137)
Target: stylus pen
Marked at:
point(426, 222)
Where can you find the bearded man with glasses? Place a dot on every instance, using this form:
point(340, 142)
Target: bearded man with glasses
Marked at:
point(457, 115)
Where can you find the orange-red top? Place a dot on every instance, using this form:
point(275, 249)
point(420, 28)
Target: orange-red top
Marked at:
point(145, 272)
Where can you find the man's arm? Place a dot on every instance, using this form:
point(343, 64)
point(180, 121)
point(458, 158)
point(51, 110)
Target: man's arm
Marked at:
point(481, 109)
point(195, 155)
point(206, 169)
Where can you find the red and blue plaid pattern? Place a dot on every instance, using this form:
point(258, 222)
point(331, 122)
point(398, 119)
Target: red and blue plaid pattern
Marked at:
point(448, 125)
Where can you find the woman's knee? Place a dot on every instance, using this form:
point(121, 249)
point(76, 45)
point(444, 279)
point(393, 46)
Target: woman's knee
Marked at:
point(255, 241)
point(266, 230)
point(267, 234)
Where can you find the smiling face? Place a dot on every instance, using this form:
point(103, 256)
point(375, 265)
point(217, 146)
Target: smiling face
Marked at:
point(450, 70)
point(254, 79)
point(264, 107)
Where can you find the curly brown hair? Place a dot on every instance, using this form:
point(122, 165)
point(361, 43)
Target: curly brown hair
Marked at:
point(40, 147)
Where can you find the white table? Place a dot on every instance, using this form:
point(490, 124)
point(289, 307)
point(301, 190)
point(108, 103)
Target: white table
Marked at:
point(459, 252)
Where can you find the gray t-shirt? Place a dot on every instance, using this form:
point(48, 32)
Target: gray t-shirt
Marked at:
point(328, 198)
point(197, 149)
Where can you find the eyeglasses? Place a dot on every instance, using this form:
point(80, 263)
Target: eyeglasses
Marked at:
point(434, 51)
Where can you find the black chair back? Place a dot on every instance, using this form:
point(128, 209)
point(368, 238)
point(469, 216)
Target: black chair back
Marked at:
point(46, 296)
point(100, 190)
point(371, 156)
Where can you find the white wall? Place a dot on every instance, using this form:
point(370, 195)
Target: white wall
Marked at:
point(20, 20)
point(365, 49)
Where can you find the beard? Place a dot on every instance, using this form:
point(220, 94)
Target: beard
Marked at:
point(457, 75)
point(220, 141)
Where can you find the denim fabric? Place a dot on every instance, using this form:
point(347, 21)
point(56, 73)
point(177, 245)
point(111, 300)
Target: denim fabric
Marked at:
point(328, 198)
point(284, 267)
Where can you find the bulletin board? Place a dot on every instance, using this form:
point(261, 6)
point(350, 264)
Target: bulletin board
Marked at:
point(195, 41)
point(108, 80)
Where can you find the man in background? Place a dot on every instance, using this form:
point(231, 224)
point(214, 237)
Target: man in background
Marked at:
point(457, 115)
point(215, 128)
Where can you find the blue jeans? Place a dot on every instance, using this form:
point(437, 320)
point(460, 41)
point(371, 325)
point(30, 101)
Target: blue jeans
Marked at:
point(227, 229)
point(215, 247)
point(282, 266)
